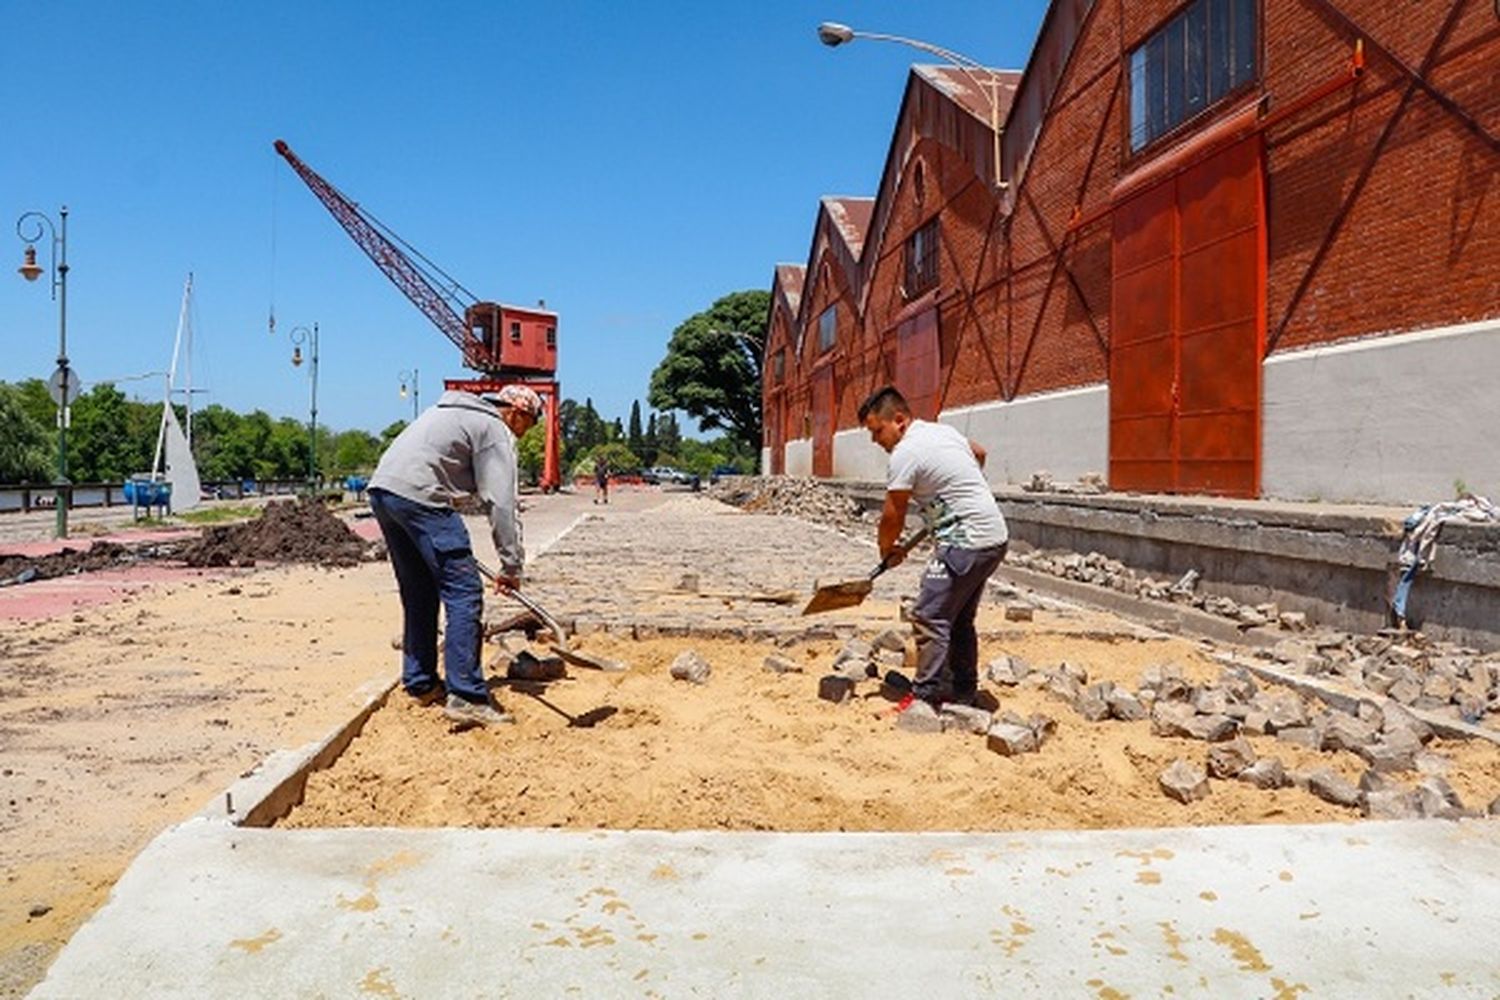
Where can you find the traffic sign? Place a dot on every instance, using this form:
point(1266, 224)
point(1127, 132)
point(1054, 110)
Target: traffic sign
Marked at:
point(55, 385)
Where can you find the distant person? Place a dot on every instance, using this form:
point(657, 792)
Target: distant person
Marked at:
point(943, 471)
point(464, 446)
point(601, 479)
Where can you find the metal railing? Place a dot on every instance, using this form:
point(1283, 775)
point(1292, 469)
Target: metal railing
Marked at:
point(21, 498)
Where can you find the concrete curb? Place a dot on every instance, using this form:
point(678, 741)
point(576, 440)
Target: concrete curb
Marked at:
point(275, 786)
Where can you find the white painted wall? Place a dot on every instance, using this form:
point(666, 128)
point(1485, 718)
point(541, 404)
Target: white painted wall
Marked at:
point(1066, 433)
point(1391, 420)
point(855, 456)
point(799, 457)
point(765, 461)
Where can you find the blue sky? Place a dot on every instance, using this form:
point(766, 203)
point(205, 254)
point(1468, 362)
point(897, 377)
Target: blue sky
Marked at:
point(626, 162)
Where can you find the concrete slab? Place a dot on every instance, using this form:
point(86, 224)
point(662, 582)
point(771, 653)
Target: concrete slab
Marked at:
point(1378, 910)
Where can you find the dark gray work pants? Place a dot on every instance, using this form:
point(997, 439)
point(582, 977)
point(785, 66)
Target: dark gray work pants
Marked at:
point(943, 618)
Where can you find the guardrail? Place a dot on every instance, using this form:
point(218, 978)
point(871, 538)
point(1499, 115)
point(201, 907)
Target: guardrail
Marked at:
point(21, 498)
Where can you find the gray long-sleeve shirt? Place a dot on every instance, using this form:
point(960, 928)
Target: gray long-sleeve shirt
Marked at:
point(456, 449)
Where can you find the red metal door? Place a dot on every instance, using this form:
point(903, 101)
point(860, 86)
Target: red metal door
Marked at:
point(1188, 325)
point(776, 433)
point(918, 372)
point(822, 422)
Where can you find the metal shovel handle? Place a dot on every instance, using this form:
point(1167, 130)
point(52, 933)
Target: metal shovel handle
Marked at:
point(903, 547)
point(530, 605)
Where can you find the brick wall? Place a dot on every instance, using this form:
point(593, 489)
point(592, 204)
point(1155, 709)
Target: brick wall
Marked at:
point(1359, 243)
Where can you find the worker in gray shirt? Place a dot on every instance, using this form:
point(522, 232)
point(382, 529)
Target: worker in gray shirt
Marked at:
point(464, 446)
point(942, 471)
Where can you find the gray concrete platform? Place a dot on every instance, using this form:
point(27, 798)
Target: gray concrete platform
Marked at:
point(1375, 910)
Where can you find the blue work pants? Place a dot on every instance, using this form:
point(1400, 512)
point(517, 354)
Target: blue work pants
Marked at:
point(430, 552)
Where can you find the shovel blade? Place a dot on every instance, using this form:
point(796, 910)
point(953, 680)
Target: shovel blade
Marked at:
point(848, 594)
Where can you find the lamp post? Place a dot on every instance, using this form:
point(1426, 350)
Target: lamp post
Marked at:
point(31, 226)
point(833, 35)
point(302, 335)
point(412, 377)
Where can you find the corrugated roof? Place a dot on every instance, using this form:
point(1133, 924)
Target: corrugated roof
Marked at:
point(851, 216)
point(789, 281)
point(971, 89)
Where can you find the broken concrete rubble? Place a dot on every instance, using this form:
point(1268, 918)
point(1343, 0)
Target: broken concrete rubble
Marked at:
point(919, 717)
point(1229, 760)
point(835, 688)
point(1009, 739)
point(1331, 787)
point(965, 719)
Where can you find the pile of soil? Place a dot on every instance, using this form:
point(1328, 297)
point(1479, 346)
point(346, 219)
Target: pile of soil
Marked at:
point(301, 531)
point(807, 499)
point(100, 555)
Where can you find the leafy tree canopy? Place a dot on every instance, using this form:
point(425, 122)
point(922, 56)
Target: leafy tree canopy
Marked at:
point(712, 369)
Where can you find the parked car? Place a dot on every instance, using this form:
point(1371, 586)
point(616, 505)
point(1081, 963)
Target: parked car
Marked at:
point(720, 471)
point(663, 475)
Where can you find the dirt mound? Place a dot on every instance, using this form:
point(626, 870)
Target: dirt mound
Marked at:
point(790, 497)
point(100, 555)
point(300, 531)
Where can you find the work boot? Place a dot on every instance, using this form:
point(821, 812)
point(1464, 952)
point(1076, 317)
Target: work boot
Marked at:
point(429, 696)
point(465, 713)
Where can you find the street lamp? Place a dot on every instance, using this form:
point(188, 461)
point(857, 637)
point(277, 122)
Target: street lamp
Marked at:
point(302, 335)
point(833, 35)
point(64, 381)
point(416, 389)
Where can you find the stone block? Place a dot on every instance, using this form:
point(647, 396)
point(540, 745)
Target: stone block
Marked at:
point(890, 641)
point(526, 666)
point(1405, 691)
point(965, 719)
point(1211, 701)
point(1333, 788)
point(919, 717)
point(1256, 722)
point(1074, 670)
point(1172, 719)
point(854, 649)
point(1267, 772)
point(1184, 781)
point(855, 670)
point(890, 658)
point(1302, 736)
point(1394, 803)
point(1125, 706)
point(1063, 687)
point(1008, 740)
point(1043, 726)
point(1293, 621)
point(1389, 757)
point(839, 689)
point(1007, 671)
point(1228, 760)
point(778, 664)
point(1283, 709)
point(1212, 728)
point(1091, 706)
point(1347, 732)
point(689, 666)
point(1019, 613)
point(1437, 799)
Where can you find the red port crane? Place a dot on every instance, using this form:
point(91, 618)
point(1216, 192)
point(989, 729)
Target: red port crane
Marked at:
point(505, 344)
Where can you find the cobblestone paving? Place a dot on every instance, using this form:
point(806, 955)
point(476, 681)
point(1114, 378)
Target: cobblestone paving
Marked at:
point(624, 570)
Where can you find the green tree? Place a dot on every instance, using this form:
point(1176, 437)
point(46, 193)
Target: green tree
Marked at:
point(712, 368)
point(531, 453)
point(649, 442)
point(354, 452)
point(635, 439)
point(101, 447)
point(37, 402)
point(615, 453)
point(26, 449)
point(668, 434)
point(391, 432)
point(617, 431)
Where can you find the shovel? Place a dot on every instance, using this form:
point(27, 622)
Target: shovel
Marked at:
point(851, 593)
point(560, 637)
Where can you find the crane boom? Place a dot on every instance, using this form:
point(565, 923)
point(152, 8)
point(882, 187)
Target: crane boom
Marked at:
point(437, 305)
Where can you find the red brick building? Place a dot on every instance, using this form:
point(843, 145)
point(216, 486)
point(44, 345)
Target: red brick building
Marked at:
point(1241, 247)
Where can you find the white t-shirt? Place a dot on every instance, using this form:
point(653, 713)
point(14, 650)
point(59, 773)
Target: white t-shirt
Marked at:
point(936, 464)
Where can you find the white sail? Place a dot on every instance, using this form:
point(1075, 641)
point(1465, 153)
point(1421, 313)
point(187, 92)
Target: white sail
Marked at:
point(181, 471)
